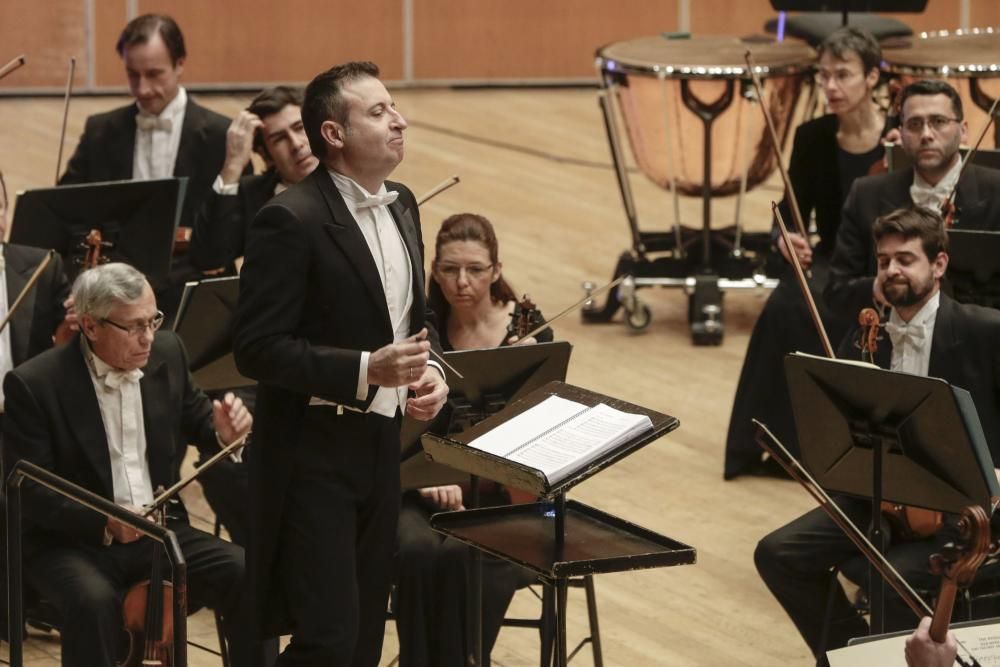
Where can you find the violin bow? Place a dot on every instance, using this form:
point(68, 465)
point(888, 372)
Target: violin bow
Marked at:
point(796, 471)
point(793, 202)
point(62, 134)
point(438, 189)
point(800, 276)
point(968, 156)
point(13, 65)
point(161, 499)
point(27, 288)
point(545, 325)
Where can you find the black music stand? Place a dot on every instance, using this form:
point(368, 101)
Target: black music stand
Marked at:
point(492, 378)
point(557, 539)
point(136, 219)
point(204, 321)
point(873, 433)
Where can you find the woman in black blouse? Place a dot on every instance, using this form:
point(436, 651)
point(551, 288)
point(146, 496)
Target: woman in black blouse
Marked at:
point(828, 154)
point(473, 303)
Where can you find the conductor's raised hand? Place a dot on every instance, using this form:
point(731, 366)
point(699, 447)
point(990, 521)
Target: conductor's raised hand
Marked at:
point(399, 364)
point(239, 145)
point(431, 393)
point(231, 419)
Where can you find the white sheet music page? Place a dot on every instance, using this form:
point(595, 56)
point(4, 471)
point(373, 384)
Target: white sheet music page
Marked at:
point(559, 436)
point(981, 640)
point(513, 433)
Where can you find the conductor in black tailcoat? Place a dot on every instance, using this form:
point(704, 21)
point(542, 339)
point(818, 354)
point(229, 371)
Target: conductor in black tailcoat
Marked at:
point(332, 323)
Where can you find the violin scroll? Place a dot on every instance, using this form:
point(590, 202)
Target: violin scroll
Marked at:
point(525, 318)
point(870, 322)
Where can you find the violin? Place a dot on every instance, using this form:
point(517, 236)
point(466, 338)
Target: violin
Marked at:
point(524, 319)
point(148, 612)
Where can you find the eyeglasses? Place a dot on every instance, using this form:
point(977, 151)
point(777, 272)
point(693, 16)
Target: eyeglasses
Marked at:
point(935, 123)
point(473, 271)
point(838, 76)
point(137, 329)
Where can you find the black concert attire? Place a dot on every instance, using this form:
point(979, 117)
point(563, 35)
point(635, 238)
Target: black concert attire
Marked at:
point(106, 153)
point(222, 220)
point(795, 561)
point(433, 576)
point(324, 479)
point(853, 266)
point(55, 420)
point(821, 173)
point(219, 237)
point(30, 332)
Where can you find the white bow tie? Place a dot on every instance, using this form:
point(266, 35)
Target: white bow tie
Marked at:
point(371, 201)
point(147, 121)
point(900, 333)
point(114, 379)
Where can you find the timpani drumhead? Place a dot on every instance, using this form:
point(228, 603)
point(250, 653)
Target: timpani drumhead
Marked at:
point(656, 81)
point(970, 62)
point(709, 56)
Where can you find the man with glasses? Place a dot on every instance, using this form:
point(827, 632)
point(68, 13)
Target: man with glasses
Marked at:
point(113, 411)
point(931, 129)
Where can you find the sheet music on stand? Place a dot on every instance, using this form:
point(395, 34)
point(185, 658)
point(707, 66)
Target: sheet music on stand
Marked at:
point(492, 378)
point(561, 538)
point(980, 638)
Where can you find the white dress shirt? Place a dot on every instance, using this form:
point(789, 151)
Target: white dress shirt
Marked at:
point(156, 149)
point(911, 341)
point(6, 358)
point(396, 274)
point(932, 196)
point(120, 400)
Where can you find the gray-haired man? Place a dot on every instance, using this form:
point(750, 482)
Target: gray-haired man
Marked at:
point(113, 411)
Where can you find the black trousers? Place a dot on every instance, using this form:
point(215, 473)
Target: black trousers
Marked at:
point(795, 562)
point(88, 584)
point(784, 326)
point(432, 591)
point(337, 538)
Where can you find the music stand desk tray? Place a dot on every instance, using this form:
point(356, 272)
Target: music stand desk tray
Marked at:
point(453, 450)
point(594, 542)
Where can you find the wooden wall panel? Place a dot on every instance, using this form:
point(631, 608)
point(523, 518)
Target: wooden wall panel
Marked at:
point(261, 40)
point(524, 39)
point(48, 33)
point(719, 17)
point(984, 13)
point(257, 41)
point(109, 19)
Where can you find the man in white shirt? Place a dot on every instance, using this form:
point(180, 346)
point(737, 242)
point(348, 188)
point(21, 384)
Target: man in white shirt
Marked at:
point(113, 411)
point(932, 127)
point(163, 134)
point(928, 333)
point(332, 322)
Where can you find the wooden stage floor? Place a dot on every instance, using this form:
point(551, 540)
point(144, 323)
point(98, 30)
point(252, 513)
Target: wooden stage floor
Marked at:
point(536, 163)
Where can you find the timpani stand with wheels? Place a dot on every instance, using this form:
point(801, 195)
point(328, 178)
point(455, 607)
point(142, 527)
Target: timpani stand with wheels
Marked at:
point(680, 99)
point(968, 60)
point(557, 538)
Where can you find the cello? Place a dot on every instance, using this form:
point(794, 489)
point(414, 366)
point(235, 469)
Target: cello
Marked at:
point(956, 564)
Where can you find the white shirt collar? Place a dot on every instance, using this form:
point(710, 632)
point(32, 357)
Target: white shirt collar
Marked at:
point(925, 316)
point(351, 189)
point(924, 194)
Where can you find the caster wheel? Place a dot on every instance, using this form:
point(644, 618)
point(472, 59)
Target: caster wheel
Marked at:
point(639, 317)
